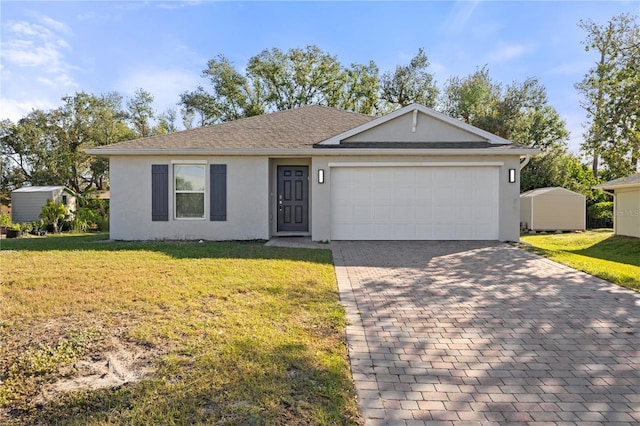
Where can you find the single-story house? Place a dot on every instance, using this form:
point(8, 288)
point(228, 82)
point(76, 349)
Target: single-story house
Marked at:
point(27, 202)
point(626, 204)
point(552, 209)
point(413, 174)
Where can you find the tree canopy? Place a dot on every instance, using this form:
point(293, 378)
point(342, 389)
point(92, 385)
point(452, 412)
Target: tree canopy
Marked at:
point(275, 80)
point(47, 147)
point(409, 83)
point(611, 94)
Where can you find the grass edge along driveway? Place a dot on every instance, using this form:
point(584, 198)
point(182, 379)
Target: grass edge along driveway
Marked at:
point(598, 253)
point(235, 332)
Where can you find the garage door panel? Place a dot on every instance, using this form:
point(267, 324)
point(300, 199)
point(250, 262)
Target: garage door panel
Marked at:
point(383, 214)
point(425, 203)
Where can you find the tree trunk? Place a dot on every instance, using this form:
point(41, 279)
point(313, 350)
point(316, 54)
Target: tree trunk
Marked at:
point(595, 164)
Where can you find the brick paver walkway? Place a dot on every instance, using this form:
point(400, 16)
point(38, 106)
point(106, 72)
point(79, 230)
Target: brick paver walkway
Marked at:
point(485, 333)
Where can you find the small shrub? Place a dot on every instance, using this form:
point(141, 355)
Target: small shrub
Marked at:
point(600, 215)
point(102, 224)
point(84, 218)
point(5, 219)
point(25, 228)
point(53, 213)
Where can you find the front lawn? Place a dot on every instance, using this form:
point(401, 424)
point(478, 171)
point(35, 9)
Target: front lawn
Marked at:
point(599, 253)
point(99, 332)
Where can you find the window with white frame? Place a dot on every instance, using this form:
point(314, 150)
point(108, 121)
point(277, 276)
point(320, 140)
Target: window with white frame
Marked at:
point(189, 188)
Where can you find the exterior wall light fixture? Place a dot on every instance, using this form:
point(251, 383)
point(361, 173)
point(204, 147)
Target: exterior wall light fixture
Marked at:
point(512, 175)
point(320, 175)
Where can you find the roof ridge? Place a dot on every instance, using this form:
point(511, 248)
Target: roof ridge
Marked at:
point(243, 120)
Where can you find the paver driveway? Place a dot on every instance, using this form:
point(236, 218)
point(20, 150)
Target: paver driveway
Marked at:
point(482, 332)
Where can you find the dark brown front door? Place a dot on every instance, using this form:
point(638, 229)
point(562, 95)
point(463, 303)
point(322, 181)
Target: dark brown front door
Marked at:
point(293, 198)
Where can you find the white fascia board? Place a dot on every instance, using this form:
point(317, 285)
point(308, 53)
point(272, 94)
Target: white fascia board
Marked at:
point(310, 152)
point(490, 137)
point(421, 164)
point(618, 186)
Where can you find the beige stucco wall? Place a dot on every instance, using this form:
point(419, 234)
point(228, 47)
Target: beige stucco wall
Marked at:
point(509, 193)
point(556, 210)
point(251, 187)
point(627, 212)
point(428, 129)
point(247, 201)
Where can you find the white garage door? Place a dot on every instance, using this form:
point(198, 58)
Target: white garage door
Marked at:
point(414, 203)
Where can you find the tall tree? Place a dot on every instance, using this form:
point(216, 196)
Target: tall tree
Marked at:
point(276, 80)
point(409, 83)
point(47, 147)
point(141, 113)
point(471, 99)
point(166, 122)
point(611, 94)
point(519, 112)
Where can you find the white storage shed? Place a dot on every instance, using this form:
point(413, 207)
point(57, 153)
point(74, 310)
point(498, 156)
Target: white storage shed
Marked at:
point(552, 209)
point(27, 202)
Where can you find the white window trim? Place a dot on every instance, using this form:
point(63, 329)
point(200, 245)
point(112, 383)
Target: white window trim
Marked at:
point(175, 191)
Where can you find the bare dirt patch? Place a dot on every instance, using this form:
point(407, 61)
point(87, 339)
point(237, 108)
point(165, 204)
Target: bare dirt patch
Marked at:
point(117, 363)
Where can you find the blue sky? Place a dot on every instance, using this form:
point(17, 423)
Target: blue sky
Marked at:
point(50, 49)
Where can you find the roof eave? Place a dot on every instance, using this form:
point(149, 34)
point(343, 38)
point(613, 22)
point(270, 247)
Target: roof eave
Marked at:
point(618, 186)
point(310, 152)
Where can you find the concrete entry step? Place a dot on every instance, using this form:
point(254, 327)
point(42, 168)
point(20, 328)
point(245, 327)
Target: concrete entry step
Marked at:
point(296, 242)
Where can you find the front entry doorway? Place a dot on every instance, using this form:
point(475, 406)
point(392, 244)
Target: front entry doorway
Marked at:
point(293, 199)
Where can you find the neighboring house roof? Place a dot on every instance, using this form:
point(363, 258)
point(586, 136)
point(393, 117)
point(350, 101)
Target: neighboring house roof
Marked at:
point(549, 190)
point(306, 130)
point(624, 182)
point(38, 188)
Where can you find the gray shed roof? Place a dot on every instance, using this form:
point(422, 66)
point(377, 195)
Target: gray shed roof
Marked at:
point(550, 190)
point(38, 188)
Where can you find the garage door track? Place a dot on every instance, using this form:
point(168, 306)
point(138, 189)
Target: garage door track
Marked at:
point(482, 333)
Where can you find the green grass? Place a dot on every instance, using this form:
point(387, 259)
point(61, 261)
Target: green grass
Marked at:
point(241, 333)
point(599, 253)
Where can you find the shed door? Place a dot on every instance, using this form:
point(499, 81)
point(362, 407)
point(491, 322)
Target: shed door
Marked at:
point(414, 203)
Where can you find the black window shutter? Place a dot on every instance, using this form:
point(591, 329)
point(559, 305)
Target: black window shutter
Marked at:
point(159, 192)
point(218, 187)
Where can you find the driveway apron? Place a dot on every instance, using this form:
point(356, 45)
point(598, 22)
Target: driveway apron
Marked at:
point(485, 333)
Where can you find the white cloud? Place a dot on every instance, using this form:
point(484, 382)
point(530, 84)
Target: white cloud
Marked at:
point(571, 68)
point(28, 44)
point(459, 16)
point(53, 24)
point(14, 110)
point(35, 72)
point(177, 4)
point(86, 16)
point(508, 51)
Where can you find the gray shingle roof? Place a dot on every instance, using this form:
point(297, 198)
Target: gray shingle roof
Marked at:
point(629, 180)
point(295, 128)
